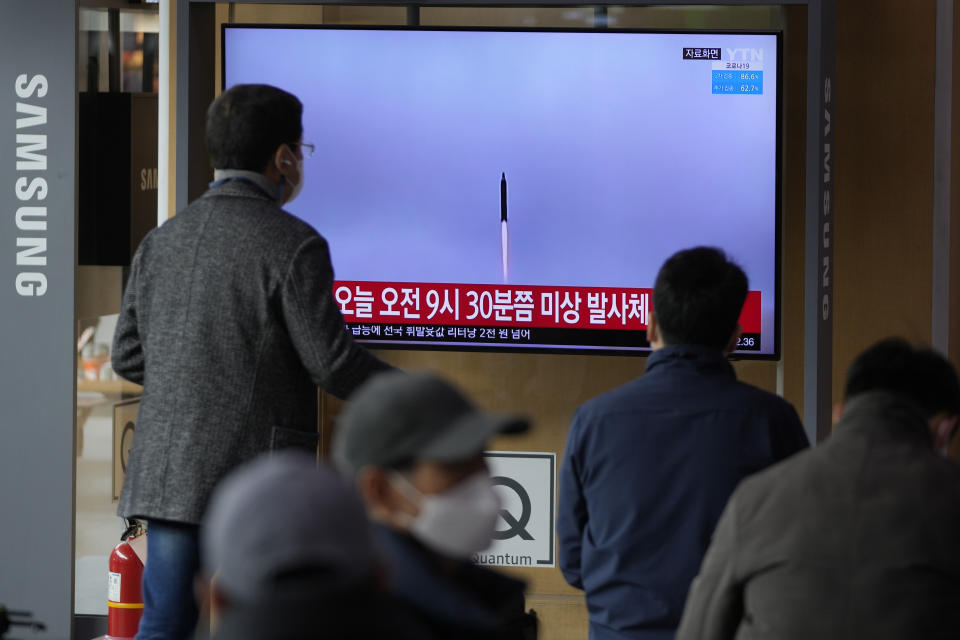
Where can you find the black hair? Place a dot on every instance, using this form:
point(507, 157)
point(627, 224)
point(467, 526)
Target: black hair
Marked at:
point(698, 297)
point(921, 375)
point(247, 123)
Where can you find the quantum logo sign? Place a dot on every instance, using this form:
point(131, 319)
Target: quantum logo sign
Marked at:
point(525, 483)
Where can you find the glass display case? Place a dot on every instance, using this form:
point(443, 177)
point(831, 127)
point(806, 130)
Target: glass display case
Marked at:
point(117, 73)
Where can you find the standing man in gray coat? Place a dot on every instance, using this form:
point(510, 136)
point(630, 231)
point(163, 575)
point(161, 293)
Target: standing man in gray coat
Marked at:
point(229, 323)
point(856, 538)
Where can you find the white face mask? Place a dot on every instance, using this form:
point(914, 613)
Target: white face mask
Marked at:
point(943, 435)
point(459, 522)
point(296, 187)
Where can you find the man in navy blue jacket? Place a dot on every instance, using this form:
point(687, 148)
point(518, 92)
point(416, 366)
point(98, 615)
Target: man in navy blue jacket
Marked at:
point(649, 466)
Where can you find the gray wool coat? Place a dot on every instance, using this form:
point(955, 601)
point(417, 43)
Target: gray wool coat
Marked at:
point(856, 538)
point(229, 323)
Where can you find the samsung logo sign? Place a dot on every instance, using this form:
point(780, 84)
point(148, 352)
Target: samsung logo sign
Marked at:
point(31, 187)
point(148, 179)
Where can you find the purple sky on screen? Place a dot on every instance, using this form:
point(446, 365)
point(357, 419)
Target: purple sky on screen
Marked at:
point(616, 152)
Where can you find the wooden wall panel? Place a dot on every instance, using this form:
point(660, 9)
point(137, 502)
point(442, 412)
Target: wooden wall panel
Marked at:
point(953, 339)
point(277, 13)
point(793, 219)
point(697, 17)
point(365, 15)
point(954, 329)
point(561, 617)
point(98, 291)
point(883, 175)
point(507, 16)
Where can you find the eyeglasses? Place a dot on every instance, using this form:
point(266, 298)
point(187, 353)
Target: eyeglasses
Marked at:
point(307, 148)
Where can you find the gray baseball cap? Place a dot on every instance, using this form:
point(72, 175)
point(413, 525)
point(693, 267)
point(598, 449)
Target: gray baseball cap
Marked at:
point(282, 513)
point(400, 417)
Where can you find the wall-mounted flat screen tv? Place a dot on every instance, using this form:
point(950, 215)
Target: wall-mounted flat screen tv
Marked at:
point(519, 189)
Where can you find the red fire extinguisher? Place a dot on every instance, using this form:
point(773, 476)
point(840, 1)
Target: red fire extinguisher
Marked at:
point(124, 599)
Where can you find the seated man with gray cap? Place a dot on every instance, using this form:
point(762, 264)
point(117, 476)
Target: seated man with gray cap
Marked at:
point(288, 555)
point(415, 446)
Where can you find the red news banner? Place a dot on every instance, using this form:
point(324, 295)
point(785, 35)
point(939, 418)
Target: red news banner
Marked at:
point(412, 303)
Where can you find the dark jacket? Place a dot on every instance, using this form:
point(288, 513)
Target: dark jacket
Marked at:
point(229, 323)
point(647, 470)
point(454, 599)
point(311, 609)
point(856, 538)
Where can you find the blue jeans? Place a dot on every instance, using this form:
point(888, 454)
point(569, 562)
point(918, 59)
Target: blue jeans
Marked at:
point(173, 558)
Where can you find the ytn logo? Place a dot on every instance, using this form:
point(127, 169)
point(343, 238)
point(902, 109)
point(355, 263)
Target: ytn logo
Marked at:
point(745, 55)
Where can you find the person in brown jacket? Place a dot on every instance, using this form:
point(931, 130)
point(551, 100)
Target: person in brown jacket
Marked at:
point(856, 538)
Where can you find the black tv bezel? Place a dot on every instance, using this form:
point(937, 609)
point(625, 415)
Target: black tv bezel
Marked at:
point(553, 349)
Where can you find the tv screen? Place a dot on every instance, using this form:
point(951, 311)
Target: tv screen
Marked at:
point(519, 189)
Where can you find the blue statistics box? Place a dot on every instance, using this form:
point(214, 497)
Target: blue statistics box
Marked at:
point(739, 82)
